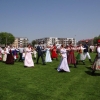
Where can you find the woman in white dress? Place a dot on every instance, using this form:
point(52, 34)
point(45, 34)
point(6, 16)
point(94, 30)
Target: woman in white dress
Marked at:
point(28, 62)
point(4, 52)
point(63, 64)
point(80, 56)
point(48, 55)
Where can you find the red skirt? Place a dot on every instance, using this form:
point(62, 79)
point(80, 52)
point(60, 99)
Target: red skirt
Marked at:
point(10, 59)
point(54, 54)
point(71, 58)
point(0, 58)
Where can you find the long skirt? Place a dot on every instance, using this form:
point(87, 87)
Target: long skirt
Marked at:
point(54, 54)
point(63, 65)
point(28, 62)
point(4, 57)
point(71, 58)
point(96, 64)
point(10, 59)
point(0, 57)
point(78, 56)
point(48, 57)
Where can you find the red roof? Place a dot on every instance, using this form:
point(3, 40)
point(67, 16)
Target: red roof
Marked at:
point(84, 40)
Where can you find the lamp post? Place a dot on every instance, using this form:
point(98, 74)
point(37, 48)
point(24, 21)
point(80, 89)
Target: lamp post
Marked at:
point(75, 41)
point(6, 40)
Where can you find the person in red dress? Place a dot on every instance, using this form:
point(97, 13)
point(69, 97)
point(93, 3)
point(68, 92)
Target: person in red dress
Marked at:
point(54, 52)
point(71, 57)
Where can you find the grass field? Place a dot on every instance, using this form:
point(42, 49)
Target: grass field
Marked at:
point(43, 82)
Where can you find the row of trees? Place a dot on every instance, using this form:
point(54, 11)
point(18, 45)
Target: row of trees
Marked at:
point(6, 38)
point(96, 39)
point(33, 43)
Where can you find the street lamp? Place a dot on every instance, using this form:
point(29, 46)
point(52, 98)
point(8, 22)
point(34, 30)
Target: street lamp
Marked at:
point(7, 40)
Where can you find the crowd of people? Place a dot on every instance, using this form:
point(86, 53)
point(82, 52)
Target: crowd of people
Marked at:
point(11, 54)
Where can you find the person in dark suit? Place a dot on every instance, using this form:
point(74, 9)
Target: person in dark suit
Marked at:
point(39, 50)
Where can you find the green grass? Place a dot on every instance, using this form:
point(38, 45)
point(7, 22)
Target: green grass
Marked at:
point(45, 83)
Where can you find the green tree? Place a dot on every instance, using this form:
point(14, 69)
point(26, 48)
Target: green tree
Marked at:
point(33, 43)
point(6, 38)
point(96, 39)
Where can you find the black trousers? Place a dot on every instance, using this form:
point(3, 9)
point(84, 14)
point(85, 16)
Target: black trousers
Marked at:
point(20, 57)
point(41, 58)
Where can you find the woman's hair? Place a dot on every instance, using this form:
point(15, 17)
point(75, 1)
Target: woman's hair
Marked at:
point(62, 45)
point(28, 45)
point(98, 44)
point(70, 42)
point(54, 44)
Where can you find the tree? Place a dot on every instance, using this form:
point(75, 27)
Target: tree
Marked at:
point(96, 39)
point(6, 38)
point(33, 43)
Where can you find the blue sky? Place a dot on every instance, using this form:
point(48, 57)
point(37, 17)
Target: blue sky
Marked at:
point(50, 18)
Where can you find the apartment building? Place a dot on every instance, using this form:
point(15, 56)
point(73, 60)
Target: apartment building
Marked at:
point(52, 40)
point(20, 41)
point(66, 41)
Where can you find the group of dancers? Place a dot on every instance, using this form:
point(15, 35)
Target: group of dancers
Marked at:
point(50, 53)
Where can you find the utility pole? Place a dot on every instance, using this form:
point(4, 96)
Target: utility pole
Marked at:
point(6, 40)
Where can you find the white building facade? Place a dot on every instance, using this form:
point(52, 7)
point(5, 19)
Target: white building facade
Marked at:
point(56, 40)
point(20, 41)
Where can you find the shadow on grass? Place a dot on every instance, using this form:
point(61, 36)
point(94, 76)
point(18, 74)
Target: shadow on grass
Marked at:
point(90, 73)
point(89, 68)
point(71, 66)
point(55, 68)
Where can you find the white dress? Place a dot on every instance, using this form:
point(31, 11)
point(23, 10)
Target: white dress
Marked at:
point(34, 52)
point(82, 57)
point(28, 62)
point(63, 63)
point(23, 55)
point(48, 55)
point(4, 55)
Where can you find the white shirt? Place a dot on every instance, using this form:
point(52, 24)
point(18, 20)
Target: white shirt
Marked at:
point(98, 49)
point(20, 50)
